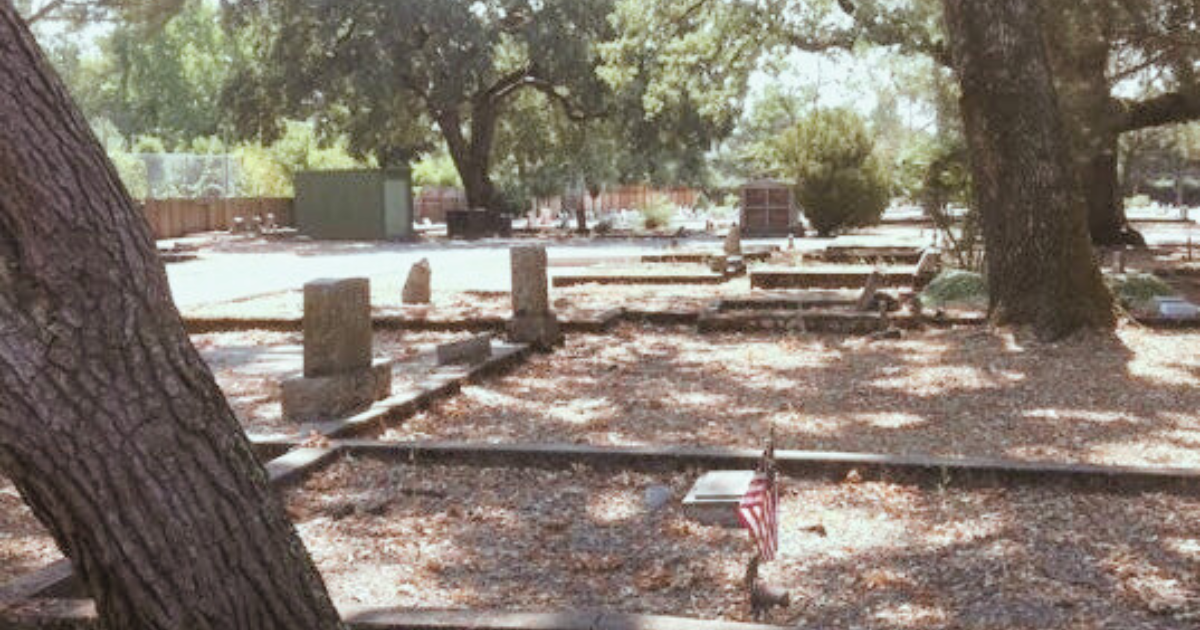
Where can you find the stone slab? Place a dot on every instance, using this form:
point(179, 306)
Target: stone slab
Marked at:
point(473, 350)
point(714, 498)
point(337, 326)
point(893, 277)
point(639, 279)
point(308, 399)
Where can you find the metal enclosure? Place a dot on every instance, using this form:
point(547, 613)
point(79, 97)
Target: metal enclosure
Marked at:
point(768, 209)
point(367, 204)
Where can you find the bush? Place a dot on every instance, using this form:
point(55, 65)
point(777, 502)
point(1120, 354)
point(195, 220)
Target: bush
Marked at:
point(656, 213)
point(839, 182)
point(955, 286)
point(1135, 291)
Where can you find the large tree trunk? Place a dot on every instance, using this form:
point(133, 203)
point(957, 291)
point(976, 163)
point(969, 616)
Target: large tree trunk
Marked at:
point(473, 156)
point(111, 426)
point(1041, 271)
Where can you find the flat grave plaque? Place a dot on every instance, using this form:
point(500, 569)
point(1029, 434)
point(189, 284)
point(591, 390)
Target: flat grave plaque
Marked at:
point(714, 498)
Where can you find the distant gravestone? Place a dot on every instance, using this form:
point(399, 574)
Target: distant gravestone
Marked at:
point(339, 374)
point(866, 299)
point(417, 289)
point(733, 241)
point(533, 322)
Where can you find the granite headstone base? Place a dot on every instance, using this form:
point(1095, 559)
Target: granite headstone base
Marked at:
point(310, 399)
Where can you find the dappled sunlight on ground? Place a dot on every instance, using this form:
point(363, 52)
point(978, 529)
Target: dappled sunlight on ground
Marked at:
point(852, 554)
point(966, 392)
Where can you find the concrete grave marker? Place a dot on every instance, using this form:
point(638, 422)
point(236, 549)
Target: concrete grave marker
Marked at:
point(714, 498)
point(340, 376)
point(1174, 307)
point(337, 326)
point(474, 350)
point(417, 289)
point(533, 322)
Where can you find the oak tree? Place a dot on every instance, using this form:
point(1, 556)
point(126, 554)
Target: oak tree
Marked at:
point(111, 426)
point(1040, 267)
point(385, 72)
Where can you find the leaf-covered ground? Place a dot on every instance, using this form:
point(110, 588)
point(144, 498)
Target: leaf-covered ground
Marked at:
point(865, 555)
point(25, 546)
point(971, 392)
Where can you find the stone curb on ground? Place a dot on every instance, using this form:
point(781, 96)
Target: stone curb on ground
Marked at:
point(64, 614)
point(958, 472)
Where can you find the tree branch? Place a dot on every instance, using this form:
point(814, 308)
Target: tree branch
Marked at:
point(45, 11)
point(1174, 107)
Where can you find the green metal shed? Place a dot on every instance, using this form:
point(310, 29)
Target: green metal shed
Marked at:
point(366, 204)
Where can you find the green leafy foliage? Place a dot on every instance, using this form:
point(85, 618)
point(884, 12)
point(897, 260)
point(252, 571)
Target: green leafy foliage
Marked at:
point(839, 182)
point(656, 213)
point(1135, 291)
point(956, 287)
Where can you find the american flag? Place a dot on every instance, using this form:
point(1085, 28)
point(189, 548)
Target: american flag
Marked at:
point(758, 510)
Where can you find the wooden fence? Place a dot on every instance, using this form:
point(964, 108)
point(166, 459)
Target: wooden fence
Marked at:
point(172, 218)
point(627, 198)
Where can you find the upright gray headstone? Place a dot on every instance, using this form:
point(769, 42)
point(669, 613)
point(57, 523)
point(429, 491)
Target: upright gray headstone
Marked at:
point(530, 291)
point(533, 322)
point(337, 326)
point(733, 241)
point(417, 289)
point(339, 375)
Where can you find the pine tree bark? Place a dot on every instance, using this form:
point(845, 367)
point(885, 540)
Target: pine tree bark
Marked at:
point(1041, 270)
point(111, 426)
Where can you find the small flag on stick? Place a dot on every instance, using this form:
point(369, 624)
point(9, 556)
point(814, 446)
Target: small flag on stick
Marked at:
point(758, 510)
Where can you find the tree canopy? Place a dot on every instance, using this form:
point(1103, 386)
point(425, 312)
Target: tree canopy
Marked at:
point(387, 74)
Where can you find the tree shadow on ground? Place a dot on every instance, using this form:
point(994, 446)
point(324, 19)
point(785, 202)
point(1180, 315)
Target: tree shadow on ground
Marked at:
point(953, 393)
point(886, 556)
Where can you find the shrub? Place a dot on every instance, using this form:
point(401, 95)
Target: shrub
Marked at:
point(839, 182)
point(1135, 291)
point(656, 213)
point(955, 286)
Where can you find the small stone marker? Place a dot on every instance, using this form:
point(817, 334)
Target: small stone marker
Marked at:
point(733, 241)
point(340, 376)
point(417, 288)
point(866, 299)
point(1172, 307)
point(656, 497)
point(474, 350)
point(1119, 261)
point(714, 498)
point(533, 322)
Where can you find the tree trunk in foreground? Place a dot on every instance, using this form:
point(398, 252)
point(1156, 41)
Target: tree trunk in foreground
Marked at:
point(1041, 271)
point(111, 425)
